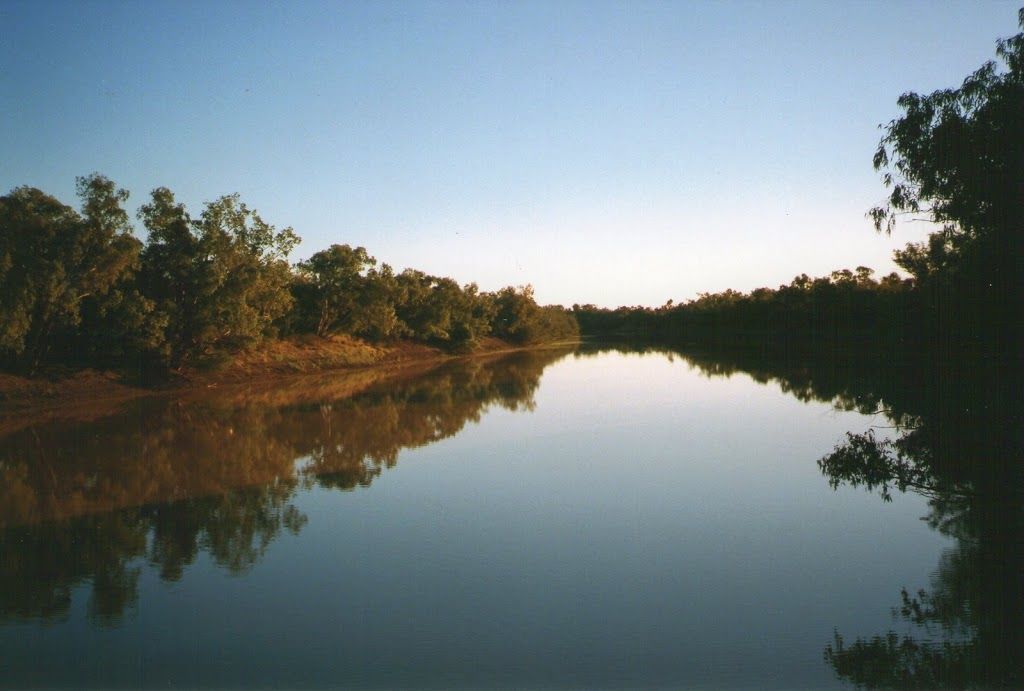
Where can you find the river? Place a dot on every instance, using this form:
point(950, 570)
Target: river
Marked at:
point(601, 517)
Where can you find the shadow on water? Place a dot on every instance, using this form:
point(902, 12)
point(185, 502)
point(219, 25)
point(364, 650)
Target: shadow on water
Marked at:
point(169, 479)
point(954, 435)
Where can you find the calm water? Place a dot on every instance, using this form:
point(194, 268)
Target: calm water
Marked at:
point(546, 519)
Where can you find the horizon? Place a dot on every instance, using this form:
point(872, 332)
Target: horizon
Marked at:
point(606, 154)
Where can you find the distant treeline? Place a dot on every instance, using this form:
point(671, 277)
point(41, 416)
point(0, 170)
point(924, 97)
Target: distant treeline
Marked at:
point(77, 287)
point(958, 306)
point(809, 310)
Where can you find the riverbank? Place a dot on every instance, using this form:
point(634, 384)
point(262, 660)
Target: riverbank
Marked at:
point(87, 393)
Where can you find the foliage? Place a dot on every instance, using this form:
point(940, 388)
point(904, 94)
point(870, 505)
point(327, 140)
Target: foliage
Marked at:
point(519, 319)
point(78, 288)
point(338, 277)
point(957, 155)
point(437, 310)
point(375, 317)
point(516, 314)
point(243, 275)
point(66, 277)
point(956, 158)
point(222, 279)
point(843, 307)
point(169, 271)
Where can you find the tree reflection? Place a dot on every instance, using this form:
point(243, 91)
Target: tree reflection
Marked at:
point(87, 505)
point(969, 626)
point(235, 528)
point(40, 567)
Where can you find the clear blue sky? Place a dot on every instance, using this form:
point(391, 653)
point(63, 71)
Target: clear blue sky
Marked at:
point(614, 153)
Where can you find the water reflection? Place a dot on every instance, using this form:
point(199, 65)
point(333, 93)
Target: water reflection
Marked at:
point(88, 512)
point(953, 434)
point(43, 564)
point(962, 449)
point(88, 504)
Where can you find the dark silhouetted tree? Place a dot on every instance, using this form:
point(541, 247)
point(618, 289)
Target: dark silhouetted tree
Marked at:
point(956, 157)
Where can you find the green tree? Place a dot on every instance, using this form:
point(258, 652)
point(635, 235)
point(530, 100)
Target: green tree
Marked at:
point(416, 307)
point(223, 279)
point(376, 317)
point(66, 278)
point(516, 314)
point(466, 312)
point(338, 276)
point(438, 310)
point(244, 275)
point(170, 270)
point(957, 155)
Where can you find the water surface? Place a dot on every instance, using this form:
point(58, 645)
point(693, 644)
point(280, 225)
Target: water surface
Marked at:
point(550, 518)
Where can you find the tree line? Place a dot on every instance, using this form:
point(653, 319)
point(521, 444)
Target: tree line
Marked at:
point(78, 287)
point(812, 311)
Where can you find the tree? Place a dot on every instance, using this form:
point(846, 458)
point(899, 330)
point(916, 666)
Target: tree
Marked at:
point(438, 310)
point(170, 270)
point(956, 157)
point(35, 289)
point(223, 279)
point(376, 318)
point(244, 275)
point(467, 313)
point(958, 154)
point(417, 308)
point(516, 314)
point(66, 278)
point(338, 277)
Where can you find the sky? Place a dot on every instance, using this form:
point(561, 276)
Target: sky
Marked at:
point(605, 152)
